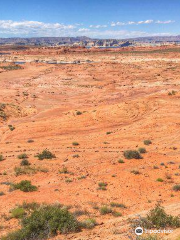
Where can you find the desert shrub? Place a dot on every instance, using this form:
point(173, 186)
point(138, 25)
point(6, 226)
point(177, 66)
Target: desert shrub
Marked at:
point(2, 193)
point(11, 67)
point(81, 177)
point(24, 186)
point(172, 93)
point(78, 213)
point(102, 185)
point(136, 172)
point(45, 222)
point(75, 143)
point(25, 162)
point(176, 187)
point(68, 180)
point(105, 210)
point(116, 214)
point(45, 154)
point(76, 156)
point(130, 154)
point(27, 170)
point(30, 140)
point(155, 167)
point(159, 180)
point(1, 157)
point(64, 170)
point(11, 127)
point(23, 156)
point(118, 205)
point(17, 212)
point(78, 113)
point(108, 133)
point(89, 223)
point(142, 150)
point(120, 161)
point(158, 218)
point(147, 142)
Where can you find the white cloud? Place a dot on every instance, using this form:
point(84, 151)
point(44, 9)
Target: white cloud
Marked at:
point(32, 27)
point(9, 28)
point(165, 22)
point(98, 26)
point(113, 24)
point(83, 30)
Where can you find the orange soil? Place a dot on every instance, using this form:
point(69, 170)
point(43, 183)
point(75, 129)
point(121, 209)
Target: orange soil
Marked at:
point(126, 95)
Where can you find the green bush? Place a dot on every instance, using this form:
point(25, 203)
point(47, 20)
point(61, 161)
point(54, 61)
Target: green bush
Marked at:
point(45, 222)
point(136, 172)
point(11, 127)
point(118, 205)
point(17, 212)
point(102, 186)
point(78, 113)
point(25, 186)
point(159, 180)
point(176, 187)
point(142, 150)
point(120, 161)
point(23, 156)
point(29, 170)
point(158, 218)
point(1, 157)
point(147, 142)
point(46, 154)
point(105, 210)
point(25, 162)
point(130, 154)
point(89, 223)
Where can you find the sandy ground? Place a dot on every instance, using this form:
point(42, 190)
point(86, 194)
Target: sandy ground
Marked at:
point(123, 94)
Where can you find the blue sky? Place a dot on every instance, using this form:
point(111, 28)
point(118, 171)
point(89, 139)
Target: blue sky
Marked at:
point(92, 18)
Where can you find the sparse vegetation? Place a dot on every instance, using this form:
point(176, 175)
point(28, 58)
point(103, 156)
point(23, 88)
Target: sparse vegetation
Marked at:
point(1, 157)
point(89, 223)
point(172, 93)
point(23, 156)
point(64, 170)
point(136, 172)
point(102, 186)
point(158, 218)
point(24, 186)
point(11, 67)
point(11, 127)
point(44, 222)
point(78, 113)
point(142, 150)
point(117, 205)
point(176, 187)
point(108, 133)
point(25, 162)
point(45, 154)
point(17, 212)
point(132, 154)
point(27, 170)
point(159, 180)
point(147, 142)
point(120, 161)
point(75, 143)
point(105, 210)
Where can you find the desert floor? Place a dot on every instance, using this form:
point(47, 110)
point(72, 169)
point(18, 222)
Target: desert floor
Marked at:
point(108, 103)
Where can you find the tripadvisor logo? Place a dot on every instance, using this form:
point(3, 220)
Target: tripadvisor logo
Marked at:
point(138, 231)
